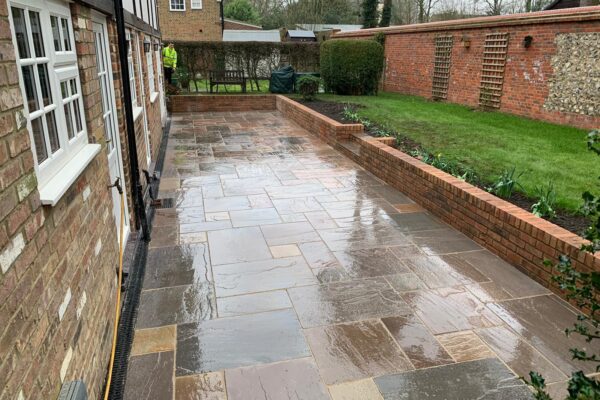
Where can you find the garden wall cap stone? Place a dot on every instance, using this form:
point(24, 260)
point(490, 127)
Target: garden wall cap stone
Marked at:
point(542, 17)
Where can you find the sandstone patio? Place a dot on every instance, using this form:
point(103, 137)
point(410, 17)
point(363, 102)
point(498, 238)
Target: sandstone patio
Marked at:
point(285, 270)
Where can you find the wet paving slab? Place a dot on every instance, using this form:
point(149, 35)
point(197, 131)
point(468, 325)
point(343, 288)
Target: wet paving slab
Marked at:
point(226, 343)
point(285, 270)
point(296, 379)
point(484, 379)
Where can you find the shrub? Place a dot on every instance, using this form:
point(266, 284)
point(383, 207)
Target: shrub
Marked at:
point(308, 86)
point(351, 67)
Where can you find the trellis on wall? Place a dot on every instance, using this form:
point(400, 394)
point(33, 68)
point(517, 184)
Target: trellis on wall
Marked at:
point(492, 72)
point(441, 67)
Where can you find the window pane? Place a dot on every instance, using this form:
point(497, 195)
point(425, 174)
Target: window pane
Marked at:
point(18, 16)
point(30, 89)
point(69, 119)
point(65, 31)
point(108, 132)
point(38, 139)
point(36, 34)
point(77, 115)
point(73, 87)
point(64, 89)
point(44, 84)
point(55, 33)
point(52, 132)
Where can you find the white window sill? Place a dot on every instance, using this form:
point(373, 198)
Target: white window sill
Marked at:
point(153, 97)
point(137, 111)
point(177, 10)
point(56, 187)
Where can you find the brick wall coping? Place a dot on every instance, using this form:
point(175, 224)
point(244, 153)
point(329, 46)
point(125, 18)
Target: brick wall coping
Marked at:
point(591, 13)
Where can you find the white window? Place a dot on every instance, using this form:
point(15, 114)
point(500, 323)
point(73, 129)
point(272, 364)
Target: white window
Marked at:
point(177, 5)
point(131, 44)
point(49, 79)
point(150, 65)
point(196, 4)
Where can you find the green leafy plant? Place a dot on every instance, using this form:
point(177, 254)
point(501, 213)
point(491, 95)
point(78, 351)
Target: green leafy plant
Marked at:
point(379, 37)
point(351, 67)
point(506, 184)
point(350, 114)
point(308, 86)
point(583, 290)
point(546, 204)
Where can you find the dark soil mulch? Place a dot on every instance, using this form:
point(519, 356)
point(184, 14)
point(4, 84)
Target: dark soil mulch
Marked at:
point(565, 219)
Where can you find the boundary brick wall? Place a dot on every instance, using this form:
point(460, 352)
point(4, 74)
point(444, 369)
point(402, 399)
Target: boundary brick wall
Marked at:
point(528, 73)
point(514, 234)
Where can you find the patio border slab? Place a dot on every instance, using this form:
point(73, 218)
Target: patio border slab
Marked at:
point(514, 234)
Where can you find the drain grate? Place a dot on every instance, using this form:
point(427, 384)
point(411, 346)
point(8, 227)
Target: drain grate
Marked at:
point(167, 202)
point(441, 66)
point(492, 72)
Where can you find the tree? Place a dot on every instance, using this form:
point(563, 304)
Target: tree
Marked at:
point(494, 7)
point(241, 10)
point(369, 13)
point(386, 13)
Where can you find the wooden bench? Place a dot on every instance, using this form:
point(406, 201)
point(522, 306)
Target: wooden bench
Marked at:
point(221, 77)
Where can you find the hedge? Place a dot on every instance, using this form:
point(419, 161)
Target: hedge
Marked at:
point(256, 59)
point(352, 67)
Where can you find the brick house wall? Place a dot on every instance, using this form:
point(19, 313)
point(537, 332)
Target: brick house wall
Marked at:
point(529, 72)
point(58, 263)
point(57, 281)
point(192, 24)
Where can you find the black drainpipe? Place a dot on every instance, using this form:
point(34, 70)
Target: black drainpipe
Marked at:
point(136, 186)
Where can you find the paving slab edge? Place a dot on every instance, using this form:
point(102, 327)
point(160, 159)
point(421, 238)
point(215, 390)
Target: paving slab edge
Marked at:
point(514, 234)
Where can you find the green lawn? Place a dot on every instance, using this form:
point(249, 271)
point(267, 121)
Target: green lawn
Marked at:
point(490, 142)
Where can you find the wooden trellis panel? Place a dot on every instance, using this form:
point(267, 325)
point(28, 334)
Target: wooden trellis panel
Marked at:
point(492, 72)
point(441, 67)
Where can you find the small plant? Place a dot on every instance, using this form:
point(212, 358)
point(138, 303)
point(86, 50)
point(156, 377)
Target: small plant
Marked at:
point(308, 86)
point(545, 206)
point(350, 114)
point(379, 37)
point(506, 184)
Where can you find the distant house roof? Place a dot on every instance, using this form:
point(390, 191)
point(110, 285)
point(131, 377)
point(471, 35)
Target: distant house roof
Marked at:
point(301, 34)
point(234, 35)
point(328, 27)
point(234, 24)
point(559, 4)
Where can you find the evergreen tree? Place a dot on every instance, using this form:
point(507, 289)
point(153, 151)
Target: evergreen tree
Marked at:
point(386, 13)
point(241, 10)
point(369, 13)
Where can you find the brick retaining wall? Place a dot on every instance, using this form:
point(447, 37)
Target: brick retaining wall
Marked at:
point(216, 103)
point(555, 79)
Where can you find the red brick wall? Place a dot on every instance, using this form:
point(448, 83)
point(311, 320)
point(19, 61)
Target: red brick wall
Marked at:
point(328, 129)
point(216, 103)
point(410, 56)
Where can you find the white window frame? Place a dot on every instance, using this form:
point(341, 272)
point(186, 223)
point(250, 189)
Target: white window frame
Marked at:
point(132, 42)
point(59, 170)
point(151, 79)
point(171, 2)
point(197, 5)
